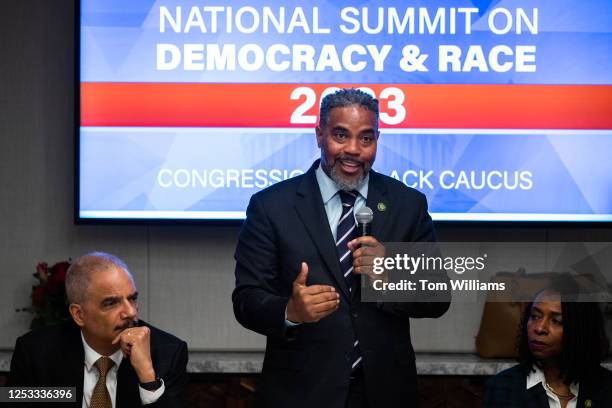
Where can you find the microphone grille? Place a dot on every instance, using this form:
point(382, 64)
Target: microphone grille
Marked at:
point(364, 215)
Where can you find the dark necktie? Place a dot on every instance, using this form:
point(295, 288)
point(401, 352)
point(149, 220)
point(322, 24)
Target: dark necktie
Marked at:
point(346, 232)
point(100, 398)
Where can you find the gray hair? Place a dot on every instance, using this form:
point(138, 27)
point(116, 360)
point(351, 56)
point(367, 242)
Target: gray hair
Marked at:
point(346, 97)
point(78, 276)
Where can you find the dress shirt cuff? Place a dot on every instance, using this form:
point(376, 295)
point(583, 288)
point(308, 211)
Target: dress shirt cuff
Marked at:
point(149, 397)
point(289, 323)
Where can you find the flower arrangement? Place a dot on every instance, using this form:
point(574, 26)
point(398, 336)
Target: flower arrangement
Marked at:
point(49, 301)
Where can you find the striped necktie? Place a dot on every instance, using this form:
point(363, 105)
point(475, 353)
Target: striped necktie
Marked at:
point(346, 232)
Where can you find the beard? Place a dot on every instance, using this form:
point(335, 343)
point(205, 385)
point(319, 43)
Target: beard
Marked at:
point(348, 184)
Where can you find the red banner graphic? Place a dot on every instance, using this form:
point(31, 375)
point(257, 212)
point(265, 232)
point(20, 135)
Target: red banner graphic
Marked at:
point(296, 105)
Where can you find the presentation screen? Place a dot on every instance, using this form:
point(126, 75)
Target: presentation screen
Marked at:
point(496, 110)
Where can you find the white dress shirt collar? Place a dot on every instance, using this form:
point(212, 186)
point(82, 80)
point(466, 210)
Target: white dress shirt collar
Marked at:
point(536, 376)
point(91, 355)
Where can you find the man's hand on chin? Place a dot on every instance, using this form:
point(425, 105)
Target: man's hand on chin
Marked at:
point(135, 343)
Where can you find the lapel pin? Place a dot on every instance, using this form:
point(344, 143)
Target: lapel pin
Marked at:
point(588, 403)
point(381, 207)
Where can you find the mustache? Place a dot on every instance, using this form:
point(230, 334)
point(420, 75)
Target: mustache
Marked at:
point(127, 324)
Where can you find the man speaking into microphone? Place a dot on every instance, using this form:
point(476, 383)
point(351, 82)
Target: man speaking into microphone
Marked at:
point(299, 261)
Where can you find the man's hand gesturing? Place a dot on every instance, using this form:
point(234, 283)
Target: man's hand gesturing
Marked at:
point(309, 304)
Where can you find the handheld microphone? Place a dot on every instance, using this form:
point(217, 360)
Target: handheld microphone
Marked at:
point(364, 217)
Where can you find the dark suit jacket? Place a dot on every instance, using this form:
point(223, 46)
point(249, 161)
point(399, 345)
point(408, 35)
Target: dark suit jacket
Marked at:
point(54, 357)
point(310, 365)
point(508, 390)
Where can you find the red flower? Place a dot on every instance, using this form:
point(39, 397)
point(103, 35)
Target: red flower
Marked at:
point(48, 295)
point(42, 272)
point(38, 294)
point(59, 272)
point(57, 277)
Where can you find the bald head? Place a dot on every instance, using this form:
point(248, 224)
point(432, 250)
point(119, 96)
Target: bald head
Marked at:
point(80, 272)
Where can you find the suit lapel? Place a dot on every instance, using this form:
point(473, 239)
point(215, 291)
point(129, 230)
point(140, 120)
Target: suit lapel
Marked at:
point(590, 389)
point(378, 203)
point(127, 385)
point(72, 364)
point(309, 207)
point(536, 397)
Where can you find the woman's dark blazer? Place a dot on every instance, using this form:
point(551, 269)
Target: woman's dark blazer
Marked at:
point(508, 390)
